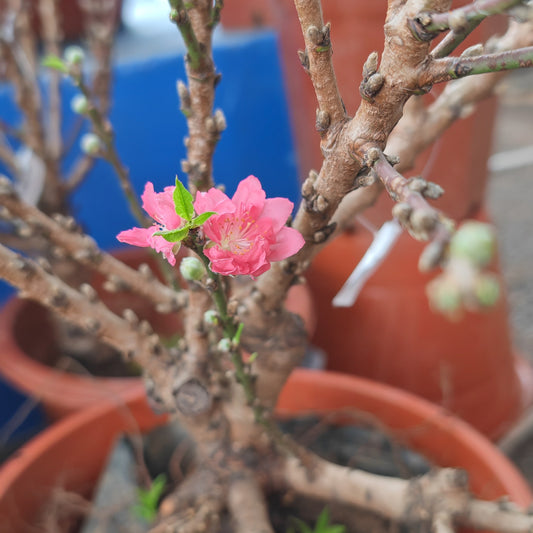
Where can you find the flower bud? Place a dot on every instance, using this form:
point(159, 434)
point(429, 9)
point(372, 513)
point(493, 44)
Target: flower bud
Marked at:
point(473, 241)
point(90, 144)
point(211, 317)
point(79, 104)
point(487, 290)
point(224, 345)
point(192, 269)
point(74, 55)
point(445, 296)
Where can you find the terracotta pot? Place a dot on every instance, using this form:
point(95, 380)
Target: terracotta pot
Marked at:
point(73, 452)
point(69, 454)
point(459, 162)
point(391, 335)
point(26, 328)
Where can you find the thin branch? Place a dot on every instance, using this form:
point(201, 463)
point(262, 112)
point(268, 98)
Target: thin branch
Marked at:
point(454, 38)
point(317, 61)
point(79, 171)
point(105, 133)
point(64, 233)
point(452, 68)
point(458, 19)
point(52, 36)
point(197, 97)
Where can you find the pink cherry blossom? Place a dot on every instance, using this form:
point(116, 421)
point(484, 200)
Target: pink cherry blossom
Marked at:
point(160, 206)
point(248, 231)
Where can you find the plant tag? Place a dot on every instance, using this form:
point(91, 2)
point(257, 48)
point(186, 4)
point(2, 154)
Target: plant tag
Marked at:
point(31, 175)
point(378, 250)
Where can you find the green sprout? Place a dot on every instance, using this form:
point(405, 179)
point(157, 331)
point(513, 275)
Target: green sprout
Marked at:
point(148, 499)
point(322, 525)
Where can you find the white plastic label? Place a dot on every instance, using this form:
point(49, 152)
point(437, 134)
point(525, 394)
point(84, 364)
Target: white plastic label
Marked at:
point(382, 244)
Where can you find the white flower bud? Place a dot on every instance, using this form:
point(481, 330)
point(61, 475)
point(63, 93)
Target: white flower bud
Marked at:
point(74, 55)
point(90, 144)
point(192, 269)
point(224, 345)
point(211, 317)
point(79, 104)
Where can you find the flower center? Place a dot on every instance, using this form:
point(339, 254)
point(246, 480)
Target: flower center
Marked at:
point(237, 235)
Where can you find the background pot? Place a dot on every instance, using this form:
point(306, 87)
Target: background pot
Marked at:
point(391, 335)
point(73, 452)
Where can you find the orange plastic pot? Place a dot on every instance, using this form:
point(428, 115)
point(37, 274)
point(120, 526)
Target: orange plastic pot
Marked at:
point(70, 454)
point(459, 161)
point(26, 328)
point(424, 427)
point(73, 451)
point(391, 335)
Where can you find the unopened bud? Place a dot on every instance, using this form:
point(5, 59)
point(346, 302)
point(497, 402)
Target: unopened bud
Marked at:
point(79, 104)
point(444, 296)
point(90, 144)
point(211, 317)
point(224, 345)
point(192, 269)
point(487, 290)
point(474, 241)
point(74, 55)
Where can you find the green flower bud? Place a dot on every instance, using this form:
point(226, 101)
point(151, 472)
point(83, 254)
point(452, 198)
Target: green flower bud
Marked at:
point(444, 296)
point(224, 345)
point(79, 104)
point(211, 317)
point(474, 241)
point(74, 55)
point(487, 290)
point(192, 269)
point(90, 144)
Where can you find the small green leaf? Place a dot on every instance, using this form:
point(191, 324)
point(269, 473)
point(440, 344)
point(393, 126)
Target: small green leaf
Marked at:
point(174, 235)
point(237, 337)
point(183, 201)
point(200, 219)
point(148, 499)
point(253, 357)
point(55, 62)
point(322, 520)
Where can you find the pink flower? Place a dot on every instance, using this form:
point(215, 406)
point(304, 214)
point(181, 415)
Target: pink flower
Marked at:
point(247, 232)
point(160, 206)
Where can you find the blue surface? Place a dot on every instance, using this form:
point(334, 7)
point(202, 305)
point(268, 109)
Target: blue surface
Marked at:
point(150, 130)
point(20, 419)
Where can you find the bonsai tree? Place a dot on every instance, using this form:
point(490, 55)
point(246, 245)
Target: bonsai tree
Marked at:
point(243, 257)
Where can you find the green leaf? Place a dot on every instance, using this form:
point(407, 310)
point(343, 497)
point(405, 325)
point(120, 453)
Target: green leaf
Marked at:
point(174, 235)
point(55, 62)
point(200, 219)
point(322, 520)
point(237, 337)
point(183, 201)
point(148, 499)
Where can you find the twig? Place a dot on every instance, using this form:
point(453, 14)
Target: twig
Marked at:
point(64, 233)
point(317, 61)
point(451, 68)
point(52, 35)
point(454, 39)
point(460, 18)
point(194, 24)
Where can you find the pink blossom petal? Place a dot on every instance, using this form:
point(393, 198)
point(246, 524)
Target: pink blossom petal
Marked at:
point(137, 236)
point(213, 200)
point(249, 193)
point(149, 199)
point(278, 211)
point(289, 241)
